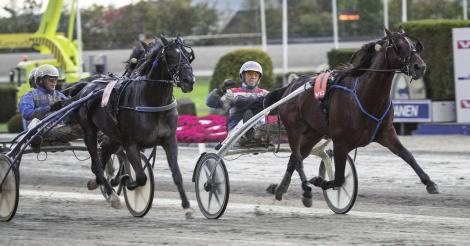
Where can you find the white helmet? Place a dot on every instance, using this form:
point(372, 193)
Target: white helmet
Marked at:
point(47, 70)
point(251, 66)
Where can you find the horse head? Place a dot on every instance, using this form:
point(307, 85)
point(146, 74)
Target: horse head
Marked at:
point(178, 57)
point(405, 55)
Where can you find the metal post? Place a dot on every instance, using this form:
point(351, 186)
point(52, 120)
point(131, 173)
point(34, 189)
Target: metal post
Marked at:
point(465, 9)
point(335, 24)
point(79, 41)
point(264, 45)
point(284, 40)
point(404, 17)
point(386, 14)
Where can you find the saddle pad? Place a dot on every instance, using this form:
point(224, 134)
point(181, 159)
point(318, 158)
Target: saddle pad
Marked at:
point(107, 92)
point(321, 82)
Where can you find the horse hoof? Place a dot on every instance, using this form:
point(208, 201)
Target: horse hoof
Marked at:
point(189, 213)
point(115, 201)
point(278, 196)
point(307, 202)
point(316, 181)
point(132, 186)
point(92, 184)
point(432, 188)
point(271, 188)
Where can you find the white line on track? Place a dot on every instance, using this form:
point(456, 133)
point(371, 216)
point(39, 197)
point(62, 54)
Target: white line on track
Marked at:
point(266, 209)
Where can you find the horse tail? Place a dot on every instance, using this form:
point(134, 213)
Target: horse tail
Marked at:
point(273, 96)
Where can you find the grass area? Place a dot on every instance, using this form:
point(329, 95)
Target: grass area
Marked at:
point(198, 95)
point(3, 127)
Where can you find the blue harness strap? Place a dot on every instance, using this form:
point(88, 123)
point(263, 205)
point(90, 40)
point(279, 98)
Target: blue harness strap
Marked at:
point(358, 101)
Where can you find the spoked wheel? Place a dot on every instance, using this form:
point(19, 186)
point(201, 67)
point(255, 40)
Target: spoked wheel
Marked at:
point(112, 171)
point(212, 185)
point(9, 190)
point(341, 199)
point(139, 200)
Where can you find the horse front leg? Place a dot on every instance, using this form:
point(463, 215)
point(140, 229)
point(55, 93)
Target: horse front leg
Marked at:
point(133, 155)
point(340, 153)
point(390, 140)
point(171, 151)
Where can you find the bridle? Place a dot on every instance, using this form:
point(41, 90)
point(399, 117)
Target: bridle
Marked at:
point(403, 59)
point(174, 70)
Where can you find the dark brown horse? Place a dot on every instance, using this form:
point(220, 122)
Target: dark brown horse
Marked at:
point(359, 111)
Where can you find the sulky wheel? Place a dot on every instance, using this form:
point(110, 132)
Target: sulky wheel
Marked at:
point(340, 200)
point(212, 185)
point(139, 200)
point(9, 189)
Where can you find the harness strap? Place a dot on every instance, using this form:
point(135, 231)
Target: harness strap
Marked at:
point(358, 101)
point(145, 109)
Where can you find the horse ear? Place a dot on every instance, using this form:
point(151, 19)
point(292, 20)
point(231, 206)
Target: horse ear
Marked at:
point(419, 46)
point(401, 30)
point(164, 40)
point(388, 32)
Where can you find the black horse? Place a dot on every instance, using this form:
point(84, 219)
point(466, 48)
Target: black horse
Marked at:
point(359, 111)
point(146, 116)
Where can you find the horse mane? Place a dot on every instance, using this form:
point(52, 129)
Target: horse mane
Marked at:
point(146, 64)
point(359, 60)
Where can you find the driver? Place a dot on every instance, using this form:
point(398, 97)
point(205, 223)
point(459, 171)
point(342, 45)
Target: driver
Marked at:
point(241, 102)
point(43, 100)
point(32, 84)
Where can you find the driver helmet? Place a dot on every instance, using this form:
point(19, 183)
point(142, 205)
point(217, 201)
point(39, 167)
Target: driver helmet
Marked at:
point(46, 70)
point(32, 78)
point(251, 66)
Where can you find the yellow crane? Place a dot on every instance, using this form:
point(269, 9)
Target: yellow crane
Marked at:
point(47, 40)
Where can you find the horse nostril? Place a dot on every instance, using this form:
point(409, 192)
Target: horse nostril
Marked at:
point(419, 67)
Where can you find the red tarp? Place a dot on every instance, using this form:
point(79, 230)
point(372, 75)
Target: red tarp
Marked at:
point(193, 129)
point(206, 129)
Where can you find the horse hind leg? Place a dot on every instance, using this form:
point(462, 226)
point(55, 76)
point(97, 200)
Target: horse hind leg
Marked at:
point(171, 151)
point(280, 189)
point(308, 140)
point(107, 148)
point(90, 134)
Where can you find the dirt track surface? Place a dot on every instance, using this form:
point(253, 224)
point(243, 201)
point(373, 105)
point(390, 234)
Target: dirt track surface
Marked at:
point(392, 207)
